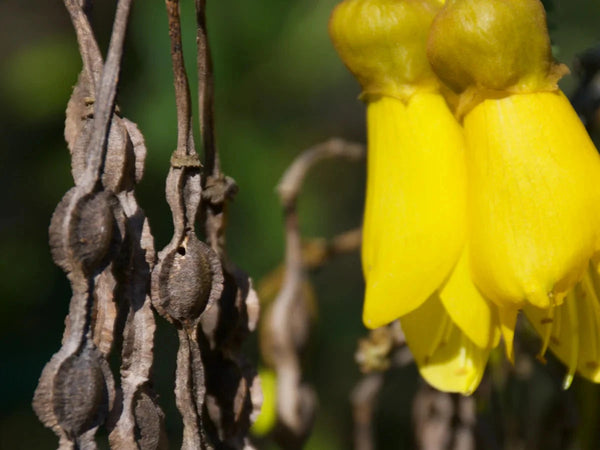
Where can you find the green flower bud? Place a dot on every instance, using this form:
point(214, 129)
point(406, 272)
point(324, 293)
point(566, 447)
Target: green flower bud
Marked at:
point(382, 42)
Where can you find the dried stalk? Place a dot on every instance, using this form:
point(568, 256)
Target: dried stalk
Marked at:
point(210, 302)
point(363, 399)
point(231, 404)
point(443, 421)
point(384, 348)
point(206, 93)
point(187, 278)
point(288, 321)
point(185, 143)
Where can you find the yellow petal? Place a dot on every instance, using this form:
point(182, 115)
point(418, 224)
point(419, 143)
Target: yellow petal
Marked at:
point(508, 321)
point(469, 310)
point(415, 209)
point(268, 413)
point(560, 331)
point(574, 331)
point(534, 196)
point(588, 307)
point(446, 357)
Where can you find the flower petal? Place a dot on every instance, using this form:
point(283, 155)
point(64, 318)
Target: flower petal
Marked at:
point(476, 316)
point(415, 213)
point(508, 322)
point(534, 195)
point(446, 357)
point(573, 331)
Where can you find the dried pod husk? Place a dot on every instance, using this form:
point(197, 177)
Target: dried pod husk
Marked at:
point(83, 232)
point(119, 172)
point(189, 279)
point(149, 426)
point(229, 321)
point(228, 399)
point(78, 110)
point(139, 147)
point(119, 162)
point(79, 148)
point(80, 397)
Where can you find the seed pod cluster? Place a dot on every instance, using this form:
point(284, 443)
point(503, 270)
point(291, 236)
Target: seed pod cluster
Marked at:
point(100, 237)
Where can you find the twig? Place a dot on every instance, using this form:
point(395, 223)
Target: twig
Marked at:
point(206, 93)
point(363, 398)
point(295, 401)
point(106, 93)
point(291, 181)
point(182, 89)
point(443, 421)
point(317, 252)
point(385, 347)
point(217, 187)
point(88, 47)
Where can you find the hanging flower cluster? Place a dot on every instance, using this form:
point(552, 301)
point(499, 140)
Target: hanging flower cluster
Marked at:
point(483, 191)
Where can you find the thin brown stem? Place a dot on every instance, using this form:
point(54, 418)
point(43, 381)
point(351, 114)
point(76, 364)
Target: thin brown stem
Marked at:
point(88, 47)
point(206, 93)
point(289, 320)
point(182, 89)
point(292, 179)
point(364, 398)
point(106, 93)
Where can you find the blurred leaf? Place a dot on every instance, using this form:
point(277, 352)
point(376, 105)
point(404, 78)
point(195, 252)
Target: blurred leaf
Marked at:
point(37, 80)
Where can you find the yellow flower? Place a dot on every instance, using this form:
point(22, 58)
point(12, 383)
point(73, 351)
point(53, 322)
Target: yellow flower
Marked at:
point(535, 199)
point(414, 224)
point(415, 219)
point(534, 174)
point(572, 330)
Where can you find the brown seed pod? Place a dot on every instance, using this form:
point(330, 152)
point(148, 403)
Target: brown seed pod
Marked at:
point(149, 429)
point(80, 399)
point(190, 278)
point(82, 230)
point(119, 161)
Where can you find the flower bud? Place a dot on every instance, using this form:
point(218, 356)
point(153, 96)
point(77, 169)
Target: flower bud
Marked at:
point(382, 42)
point(486, 46)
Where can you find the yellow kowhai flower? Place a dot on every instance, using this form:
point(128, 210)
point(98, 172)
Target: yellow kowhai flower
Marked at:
point(534, 174)
point(415, 214)
point(572, 329)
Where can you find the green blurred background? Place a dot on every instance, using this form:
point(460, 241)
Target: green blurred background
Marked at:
point(279, 89)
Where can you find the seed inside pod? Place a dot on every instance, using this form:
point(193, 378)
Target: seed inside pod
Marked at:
point(149, 428)
point(82, 230)
point(186, 279)
point(79, 394)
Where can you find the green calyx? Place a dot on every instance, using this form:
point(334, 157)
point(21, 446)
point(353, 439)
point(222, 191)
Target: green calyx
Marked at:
point(488, 48)
point(382, 42)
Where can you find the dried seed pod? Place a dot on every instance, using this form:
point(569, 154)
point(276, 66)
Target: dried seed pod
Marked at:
point(119, 162)
point(228, 401)
point(80, 399)
point(190, 278)
point(120, 171)
point(82, 230)
point(139, 147)
point(78, 110)
point(149, 429)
